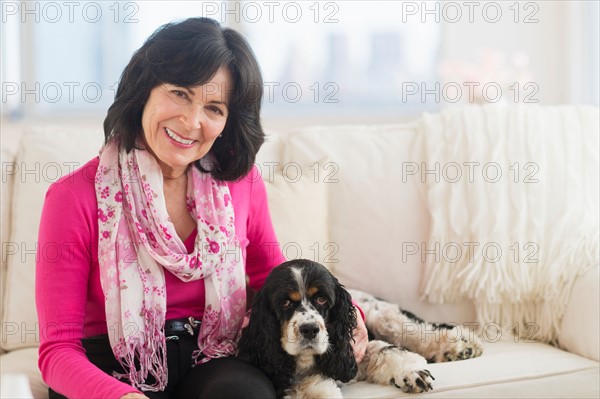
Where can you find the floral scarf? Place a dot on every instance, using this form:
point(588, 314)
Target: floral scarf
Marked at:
point(138, 242)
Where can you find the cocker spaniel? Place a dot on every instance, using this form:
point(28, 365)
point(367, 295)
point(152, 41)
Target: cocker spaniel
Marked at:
point(300, 334)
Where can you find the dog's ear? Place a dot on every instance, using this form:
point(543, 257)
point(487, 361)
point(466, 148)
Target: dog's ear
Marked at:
point(339, 362)
point(260, 344)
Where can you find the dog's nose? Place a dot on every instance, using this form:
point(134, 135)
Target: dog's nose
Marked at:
point(309, 330)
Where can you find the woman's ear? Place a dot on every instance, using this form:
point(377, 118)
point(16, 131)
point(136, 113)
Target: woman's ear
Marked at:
point(339, 362)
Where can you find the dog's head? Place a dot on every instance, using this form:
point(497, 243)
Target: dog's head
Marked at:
point(302, 317)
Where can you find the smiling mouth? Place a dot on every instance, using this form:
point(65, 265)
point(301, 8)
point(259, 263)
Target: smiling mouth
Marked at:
point(178, 138)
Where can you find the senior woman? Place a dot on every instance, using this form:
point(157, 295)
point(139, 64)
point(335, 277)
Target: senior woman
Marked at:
point(165, 228)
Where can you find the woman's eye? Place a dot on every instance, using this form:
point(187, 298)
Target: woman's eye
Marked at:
point(179, 93)
point(321, 300)
point(216, 110)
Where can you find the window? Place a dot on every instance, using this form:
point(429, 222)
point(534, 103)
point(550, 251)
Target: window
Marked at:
point(317, 57)
point(342, 56)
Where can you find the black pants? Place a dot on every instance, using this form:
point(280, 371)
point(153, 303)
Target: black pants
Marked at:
point(218, 378)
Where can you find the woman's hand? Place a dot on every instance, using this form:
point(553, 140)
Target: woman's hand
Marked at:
point(134, 395)
point(361, 337)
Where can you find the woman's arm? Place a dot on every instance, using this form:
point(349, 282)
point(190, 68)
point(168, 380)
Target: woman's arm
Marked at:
point(62, 279)
point(360, 336)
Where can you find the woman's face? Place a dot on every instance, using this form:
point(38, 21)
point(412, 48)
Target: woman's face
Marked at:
point(181, 123)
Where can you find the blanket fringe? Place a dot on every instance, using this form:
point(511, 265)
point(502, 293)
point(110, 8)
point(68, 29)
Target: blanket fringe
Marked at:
point(528, 289)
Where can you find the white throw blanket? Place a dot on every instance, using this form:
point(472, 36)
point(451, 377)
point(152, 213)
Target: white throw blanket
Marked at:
point(514, 210)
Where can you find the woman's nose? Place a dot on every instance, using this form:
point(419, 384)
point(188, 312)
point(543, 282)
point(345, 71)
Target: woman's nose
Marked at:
point(193, 117)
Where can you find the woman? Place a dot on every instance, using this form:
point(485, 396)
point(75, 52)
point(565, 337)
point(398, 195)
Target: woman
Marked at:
point(164, 228)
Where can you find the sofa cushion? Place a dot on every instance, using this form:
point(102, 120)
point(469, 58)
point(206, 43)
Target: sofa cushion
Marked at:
point(299, 214)
point(44, 155)
point(297, 203)
point(503, 362)
point(376, 216)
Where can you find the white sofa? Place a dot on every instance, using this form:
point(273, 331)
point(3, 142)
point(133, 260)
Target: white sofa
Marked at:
point(338, 195)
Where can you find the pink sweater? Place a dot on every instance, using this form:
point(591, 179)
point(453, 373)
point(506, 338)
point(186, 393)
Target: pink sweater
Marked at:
point(69, 298)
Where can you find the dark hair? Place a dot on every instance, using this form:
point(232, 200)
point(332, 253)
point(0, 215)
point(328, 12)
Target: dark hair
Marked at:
point(187, 54)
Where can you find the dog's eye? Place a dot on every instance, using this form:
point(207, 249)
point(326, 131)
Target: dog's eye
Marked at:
point(286, 304)
point(321, 300)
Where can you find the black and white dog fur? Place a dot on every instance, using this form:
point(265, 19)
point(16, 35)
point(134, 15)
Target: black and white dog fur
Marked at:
point(300, 334)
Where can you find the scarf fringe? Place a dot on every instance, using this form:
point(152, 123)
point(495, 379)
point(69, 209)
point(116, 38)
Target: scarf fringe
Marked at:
point(146, 359)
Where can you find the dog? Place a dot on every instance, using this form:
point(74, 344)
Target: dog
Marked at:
point(301, 328)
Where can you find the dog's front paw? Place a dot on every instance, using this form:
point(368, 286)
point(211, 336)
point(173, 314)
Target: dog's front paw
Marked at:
point(459, 349)
point(414, 381)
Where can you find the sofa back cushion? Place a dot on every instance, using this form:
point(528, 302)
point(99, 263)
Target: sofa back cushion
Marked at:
point(44, 155)
point(377, 220)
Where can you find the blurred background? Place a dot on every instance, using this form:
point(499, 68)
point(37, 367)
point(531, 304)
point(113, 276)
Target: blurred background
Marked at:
point(323, 62)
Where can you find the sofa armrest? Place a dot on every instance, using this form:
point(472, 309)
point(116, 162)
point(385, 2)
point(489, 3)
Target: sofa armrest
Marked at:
point(580, 326)
point(6, 185)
